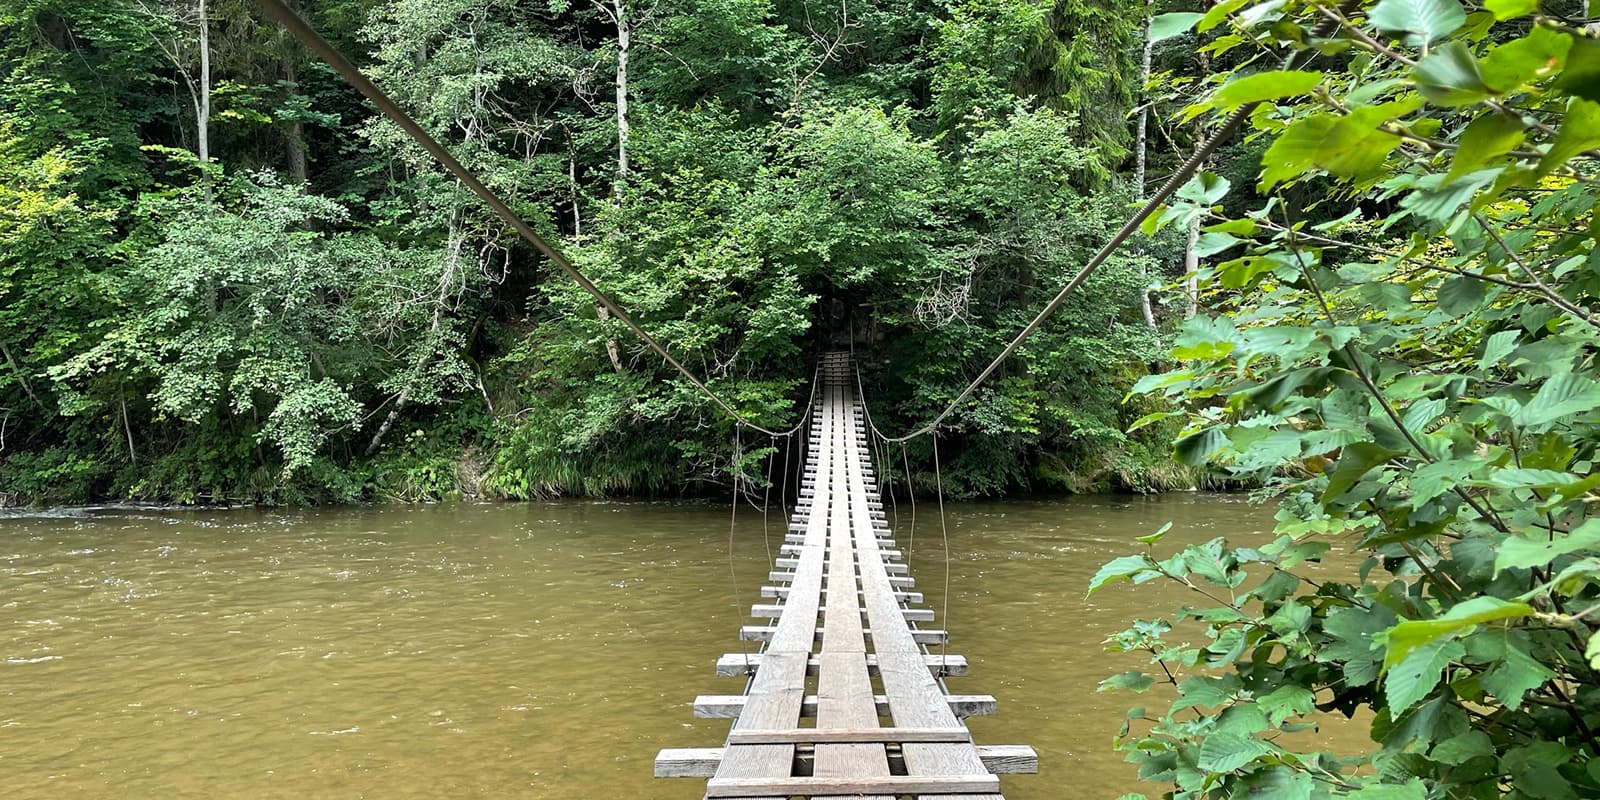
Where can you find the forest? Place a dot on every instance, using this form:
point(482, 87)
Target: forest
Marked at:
point(227, 279)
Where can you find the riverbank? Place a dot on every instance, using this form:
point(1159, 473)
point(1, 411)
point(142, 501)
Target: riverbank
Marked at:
point(424, 475)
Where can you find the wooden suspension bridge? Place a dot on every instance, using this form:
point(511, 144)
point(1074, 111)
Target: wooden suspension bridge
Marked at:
point(845, 653)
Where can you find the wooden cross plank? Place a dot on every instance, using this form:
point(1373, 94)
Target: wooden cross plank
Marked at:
point(701, 762)
point(731, 664)
point(728, 706)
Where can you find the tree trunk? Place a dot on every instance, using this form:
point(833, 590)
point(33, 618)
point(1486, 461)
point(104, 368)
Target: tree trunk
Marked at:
point(1191, 268)
point(295, 134)
point(22, 378)
point(1140, 137)
point(572, 184)
point(447, 281)
point(1141, 140)
point(203, 124)
point(624, 40)
point(619, 14)
point(127, 428)
point(612, 350)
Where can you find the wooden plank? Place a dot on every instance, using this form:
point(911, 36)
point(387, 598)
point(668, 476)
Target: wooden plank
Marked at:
point(701, 762)
point(915, 701)
point(688, 762)
point(769, 611)
point(775, 694)
point(783, 591)
point(783, 576)
point(732, 664)
point(868, 735)
point(778, 686)
point(728, 706)
point(764, 633)
point(934, 785)
point(844, 689)
point(791, 563)
point(795, 547)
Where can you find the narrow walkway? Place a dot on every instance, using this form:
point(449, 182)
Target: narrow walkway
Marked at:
point(840, 582)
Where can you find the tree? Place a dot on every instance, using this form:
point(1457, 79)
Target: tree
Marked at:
point(1417, 384)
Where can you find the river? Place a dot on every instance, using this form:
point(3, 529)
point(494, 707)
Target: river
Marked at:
point(536, 650)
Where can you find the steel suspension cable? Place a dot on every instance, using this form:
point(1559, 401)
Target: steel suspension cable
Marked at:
point(280, 11)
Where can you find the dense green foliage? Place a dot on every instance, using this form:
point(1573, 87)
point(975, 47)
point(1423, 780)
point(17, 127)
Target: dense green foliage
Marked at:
point(1404, 356)
point(222, 277)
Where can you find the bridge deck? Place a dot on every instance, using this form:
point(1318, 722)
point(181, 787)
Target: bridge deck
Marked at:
point(838, 567)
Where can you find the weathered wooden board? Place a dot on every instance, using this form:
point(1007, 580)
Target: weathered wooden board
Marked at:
point(824, 734)
point(728, 706)
point(915, 701)
point(844, 690)
point(731, 664)
point(779, 684)
point(701, 762)
point(921, 786)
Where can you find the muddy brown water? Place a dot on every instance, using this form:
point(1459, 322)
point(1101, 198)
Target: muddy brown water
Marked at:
point(535, 650)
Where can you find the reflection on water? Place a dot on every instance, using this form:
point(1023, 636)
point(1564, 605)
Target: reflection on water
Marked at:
point(540, 650)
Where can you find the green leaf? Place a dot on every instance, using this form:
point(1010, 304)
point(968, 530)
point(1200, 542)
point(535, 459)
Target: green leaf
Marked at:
point(1560, 397)
point(1497, 347)
point(1421, 21)
point(1196, 448)
point(1278, 783)
point(1177, 23)
point(1219, 13)
point(1506, 9)
point(1449, 76)
point(1431, 480)
point(1413, 789)
point(1518, 552)
point(1287, 701)
point(1226, 752)
point(1487, 138)
point(1261, 86)
point(1581, 77)
point(1126, 568)
point(1205, 189)
point(1458, 295)
point(1462, 747)
point(1201, 690)
point(1134, 681)
point(1347, 146)
point(1160, 534)
point(1414, 678)
point(1533, 770)
point(1516, 675)
point(1210, 244)
point(1509, 66)
point(1354, 462)
point(1407, 637)
point(1241, 272)
point(1580, 131)
point(1525, 478)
